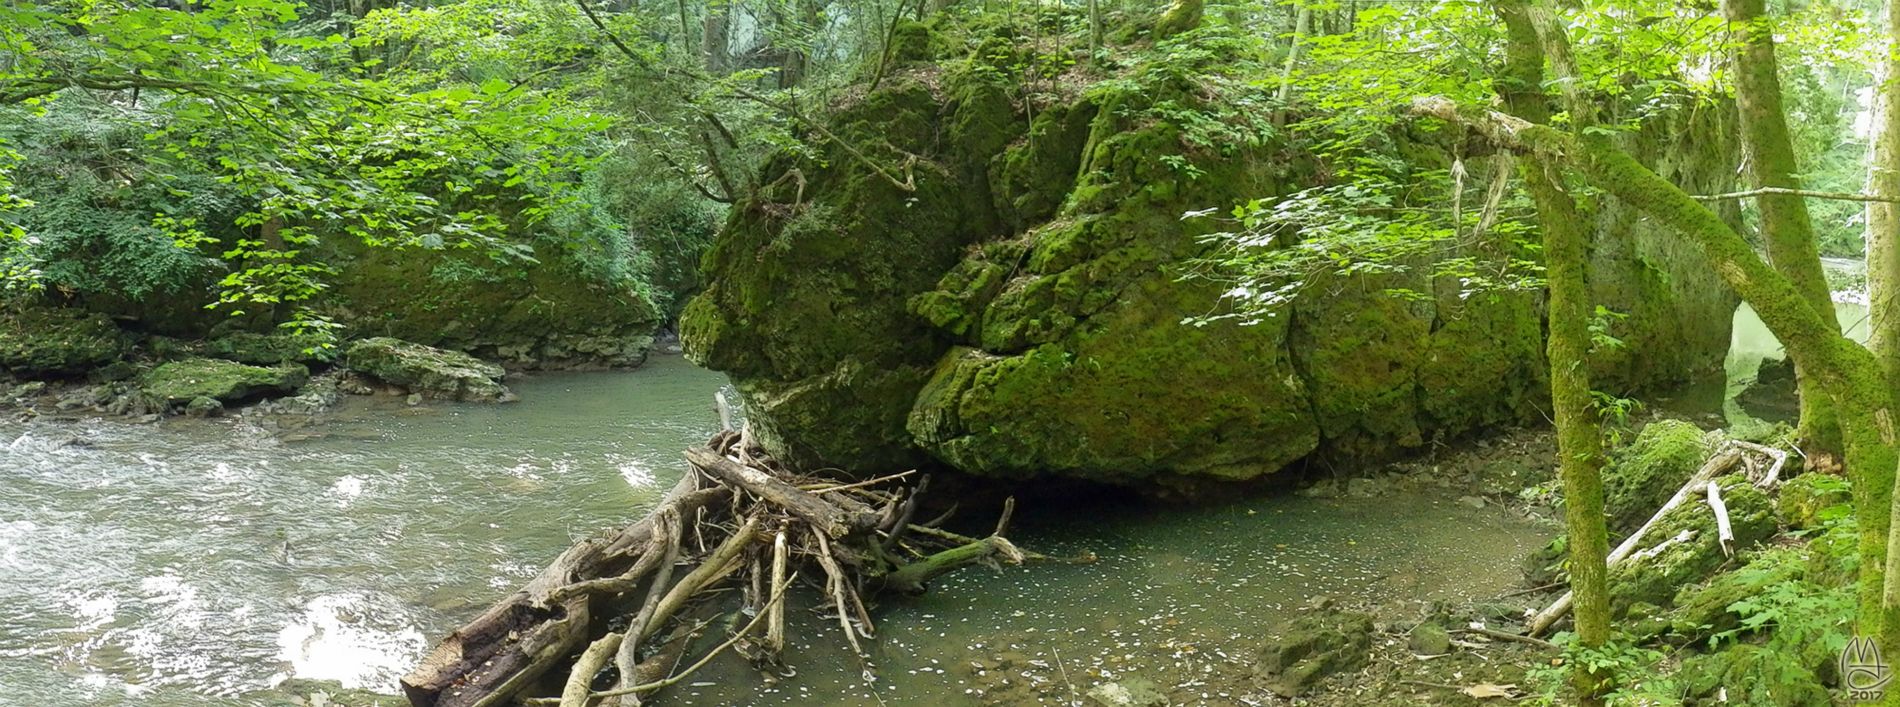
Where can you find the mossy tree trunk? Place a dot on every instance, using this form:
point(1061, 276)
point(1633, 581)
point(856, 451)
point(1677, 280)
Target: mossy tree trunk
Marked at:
point(1848, 373)
point(1785, 224)
point(1842, 368)
point(1883, 219)
point(1579, 440)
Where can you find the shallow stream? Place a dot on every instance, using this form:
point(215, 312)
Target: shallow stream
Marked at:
point(193, 562)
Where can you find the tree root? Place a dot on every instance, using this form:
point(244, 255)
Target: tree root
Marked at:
point(737, 519)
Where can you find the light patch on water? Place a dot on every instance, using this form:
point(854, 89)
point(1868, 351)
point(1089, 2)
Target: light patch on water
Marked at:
point(341, 637)
point(637, 475)
point(95, 610)
point(12, 536)
point(347, 489)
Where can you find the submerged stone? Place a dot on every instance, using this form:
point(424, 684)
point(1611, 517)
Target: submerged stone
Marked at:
point(1304, 651)
point(429, 371)
point(1131, 692)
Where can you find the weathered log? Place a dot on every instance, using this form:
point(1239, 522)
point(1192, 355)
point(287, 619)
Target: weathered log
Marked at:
point(473, 663)
point(914, 577)
point(828, 517)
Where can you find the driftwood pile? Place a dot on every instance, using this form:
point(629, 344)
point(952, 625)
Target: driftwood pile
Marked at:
point(611, 619)
point(1761, 465)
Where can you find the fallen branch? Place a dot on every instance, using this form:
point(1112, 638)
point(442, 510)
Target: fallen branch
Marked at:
point(831, 519)
point(1724, 459)
point(1507, 636)
point(558, 631)
point(1784, 191)
point(1724, 533)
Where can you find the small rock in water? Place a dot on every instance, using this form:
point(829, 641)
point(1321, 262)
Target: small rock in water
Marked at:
point(204, 406)
point(414, 399)
point(1132, 692)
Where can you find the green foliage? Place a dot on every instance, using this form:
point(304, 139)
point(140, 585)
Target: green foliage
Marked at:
point(1799, 616)
point(1632, 674)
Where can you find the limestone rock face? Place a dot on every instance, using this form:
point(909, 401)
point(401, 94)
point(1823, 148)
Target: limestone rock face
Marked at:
point(429, 371)
point(43, 341)
point(1007, 295)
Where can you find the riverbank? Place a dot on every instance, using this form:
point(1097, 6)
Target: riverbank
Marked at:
point(384, 525)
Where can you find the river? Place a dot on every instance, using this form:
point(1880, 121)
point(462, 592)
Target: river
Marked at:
point(195, 562)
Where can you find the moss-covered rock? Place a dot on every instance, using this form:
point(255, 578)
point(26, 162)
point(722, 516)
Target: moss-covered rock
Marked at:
point(1020, 310)
point(429, 371)
point(1753, 676)
point(551, 312)
point(1307, 649)
point(48, 341)
point(181, 382)
point(262, 349)
point(1703, 609)
point(1681, 549)
point(1808, 500)
point(1640, 478)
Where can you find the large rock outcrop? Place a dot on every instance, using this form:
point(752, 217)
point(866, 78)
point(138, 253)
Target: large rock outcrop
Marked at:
point(1020, 312)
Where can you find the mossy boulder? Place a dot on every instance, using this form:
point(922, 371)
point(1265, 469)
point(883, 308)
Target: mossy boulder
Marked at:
point(181, 382)
point(262, 349)
point(1016, 296)
point(1702, 609)
point(1751, 675)
point(429, 371)
point(550, 312)
point(1642, 477)
point(1305, 650)
point(48, 341)
point(1808, 500)
point(1682, 549)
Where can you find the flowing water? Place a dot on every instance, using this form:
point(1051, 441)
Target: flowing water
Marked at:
point(195, 562)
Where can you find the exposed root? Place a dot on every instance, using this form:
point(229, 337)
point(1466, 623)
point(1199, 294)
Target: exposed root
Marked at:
point(739, 519)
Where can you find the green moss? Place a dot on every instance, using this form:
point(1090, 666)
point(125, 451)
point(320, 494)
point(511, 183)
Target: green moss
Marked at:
point(549, 313)
point(1808, 500)
point(1702, 609)
point(263, 349)
point(1689, 551)
point(1310, 648)
point(1641, 477)
point(45, 341)
point(1181, 16)
point(180, 382)
point(1753, 676)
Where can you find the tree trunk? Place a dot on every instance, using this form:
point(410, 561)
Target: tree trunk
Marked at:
point(1784, 218)
point(1579, 440)
point(1883, 219)
point(1302, 26)
point(715, 41)
point(1862, 397)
